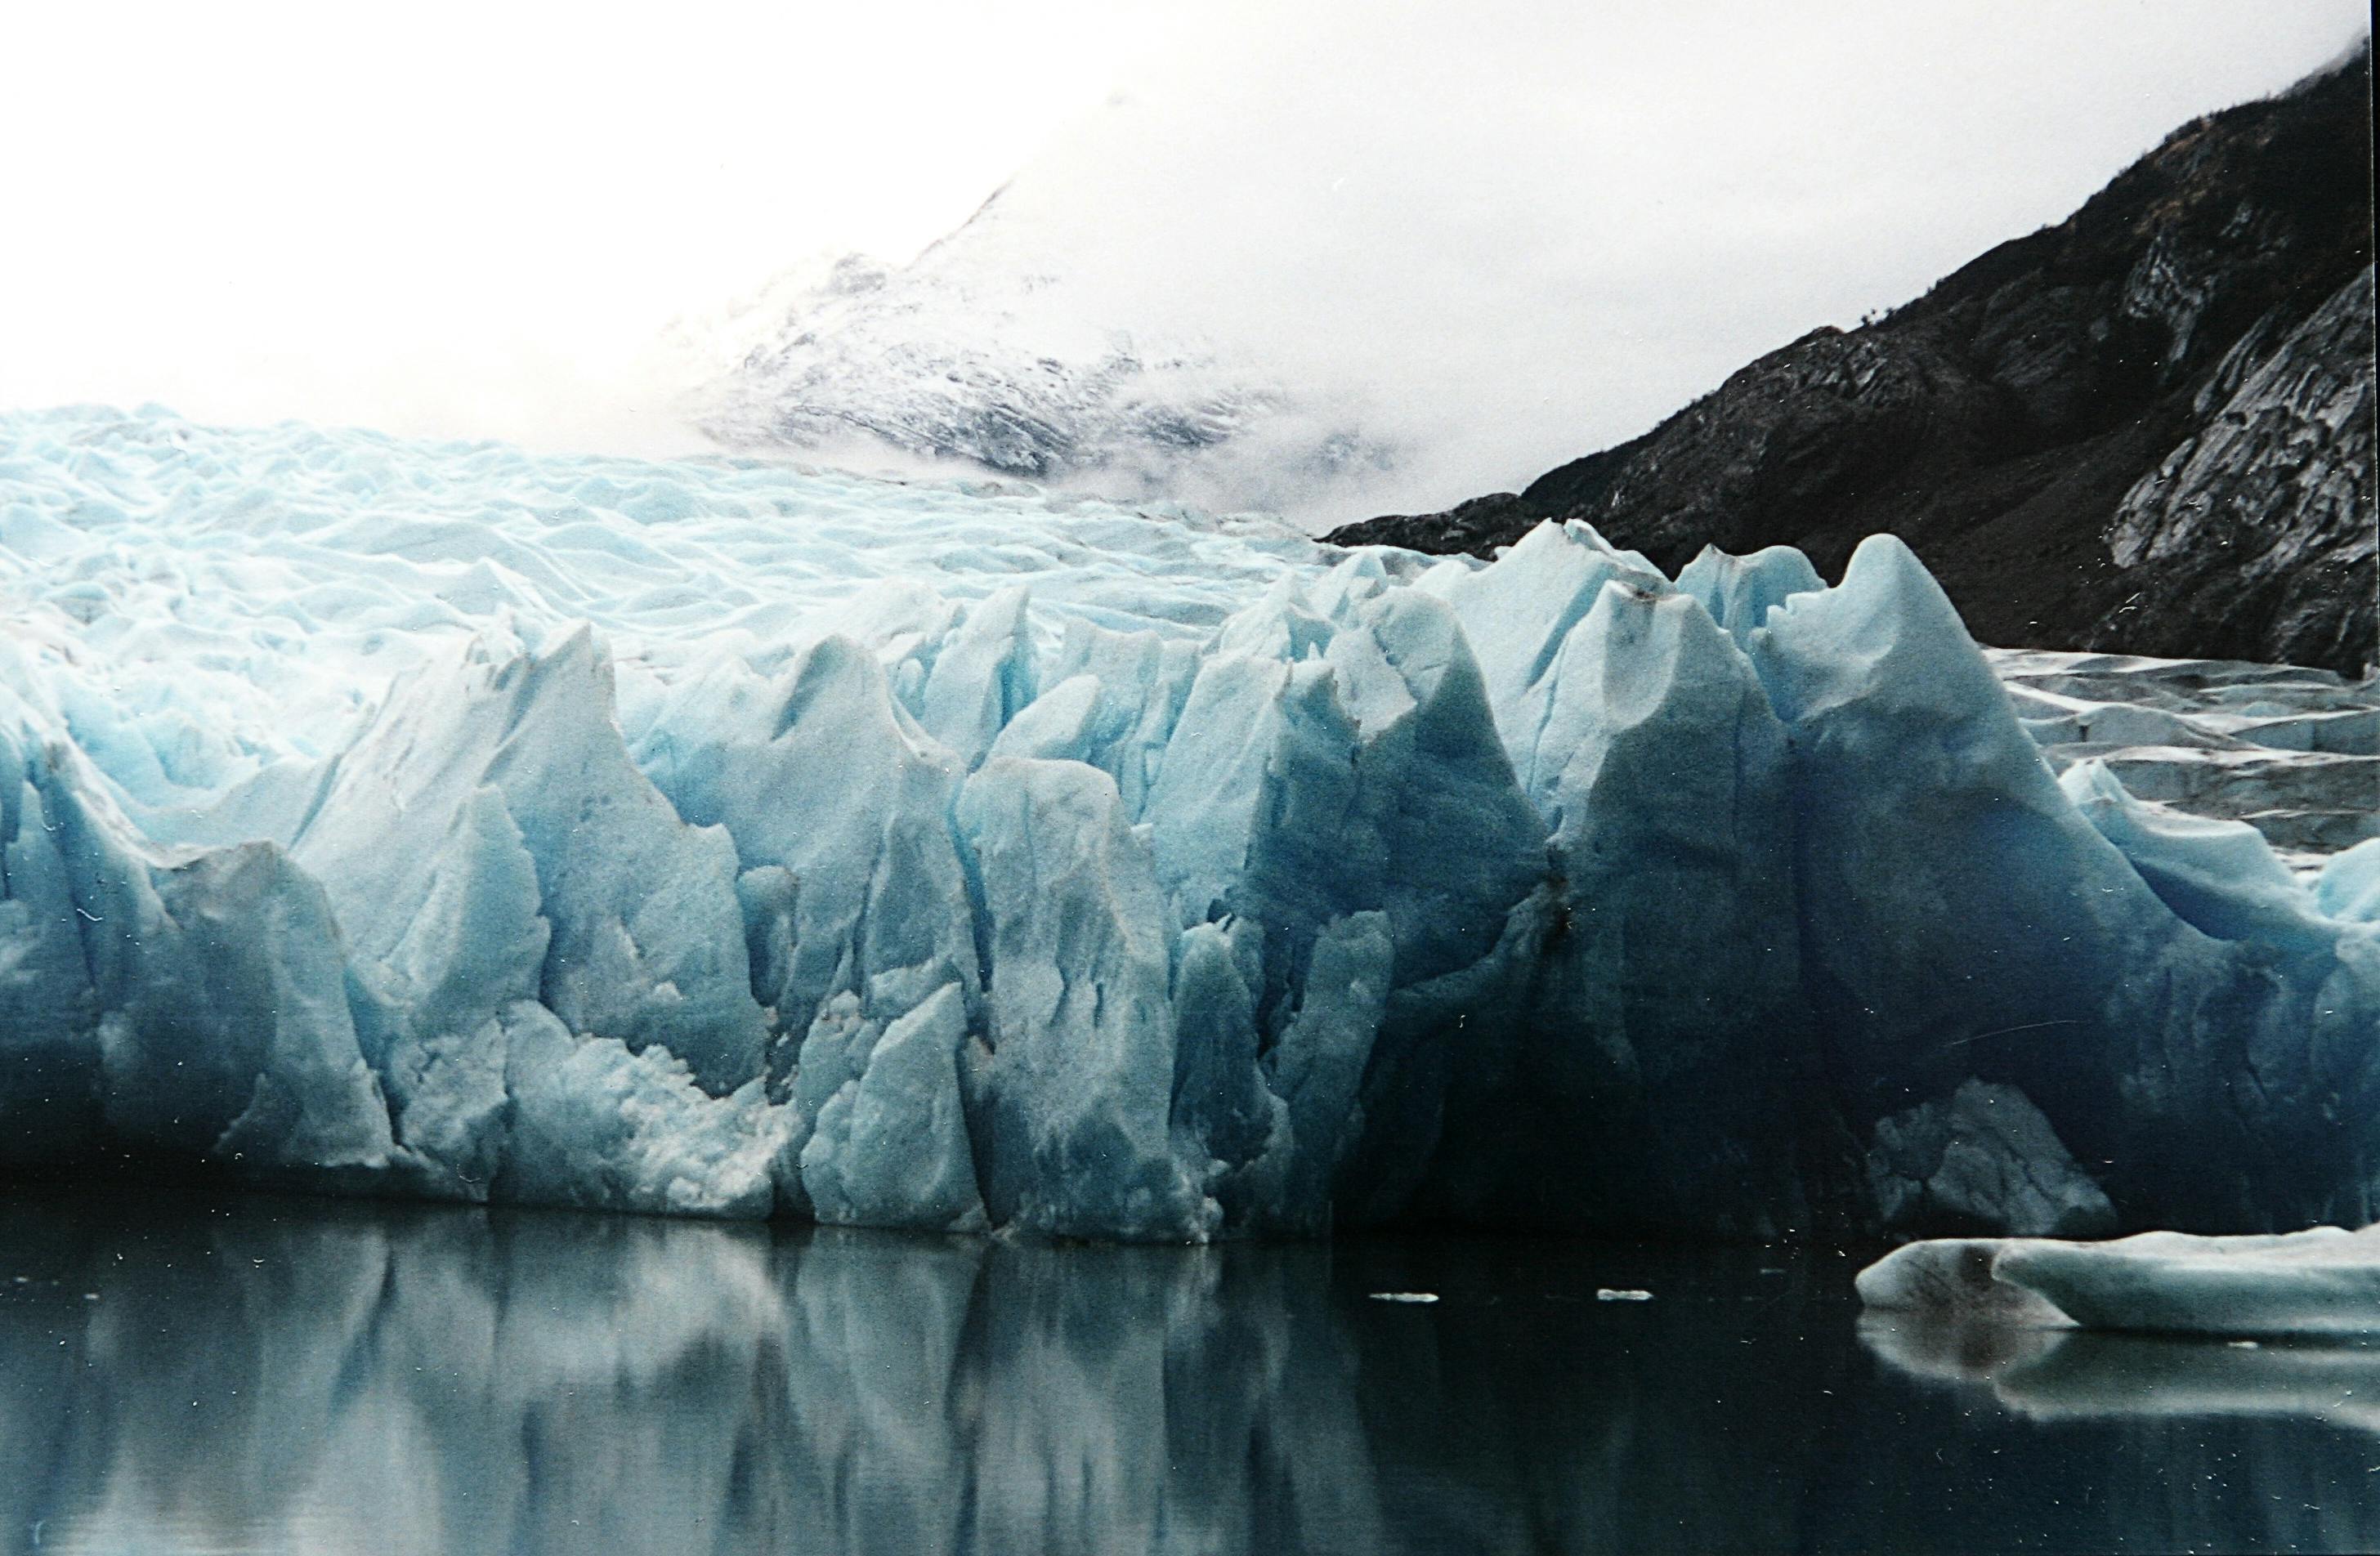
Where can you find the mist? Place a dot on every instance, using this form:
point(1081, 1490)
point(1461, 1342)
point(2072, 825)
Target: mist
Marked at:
point(1485, 238)
point(478, 220)
point(1490, 238)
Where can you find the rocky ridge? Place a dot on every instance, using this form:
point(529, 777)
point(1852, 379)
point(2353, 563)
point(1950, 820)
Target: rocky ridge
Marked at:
point(2146, 429)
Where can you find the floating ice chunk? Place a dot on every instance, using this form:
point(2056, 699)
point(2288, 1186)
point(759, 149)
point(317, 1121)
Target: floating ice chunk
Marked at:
point(2321, 1281)
point(1953, 1276)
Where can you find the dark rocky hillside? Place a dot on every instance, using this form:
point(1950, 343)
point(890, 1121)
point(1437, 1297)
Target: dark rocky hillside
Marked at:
point(2148, 428)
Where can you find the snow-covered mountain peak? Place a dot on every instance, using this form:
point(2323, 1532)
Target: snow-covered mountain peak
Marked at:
point(1005, 345)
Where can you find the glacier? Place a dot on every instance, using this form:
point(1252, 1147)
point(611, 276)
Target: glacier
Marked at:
point(743, 839)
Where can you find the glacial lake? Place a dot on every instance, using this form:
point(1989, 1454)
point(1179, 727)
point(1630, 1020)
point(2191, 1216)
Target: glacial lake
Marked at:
point(194, 1373)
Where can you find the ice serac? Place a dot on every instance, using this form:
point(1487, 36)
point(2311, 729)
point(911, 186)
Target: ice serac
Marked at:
point(1652, 752)
point(50, 1002)
point(2348, 887)
point(838, 806)
point(646, 945)
point(1346, 766)
point(655, 838)
point(1077, 1086)
point(1739, 591)
point(1961, 919)
point(981, 677)
point(194, 1000)
point(891, 1147)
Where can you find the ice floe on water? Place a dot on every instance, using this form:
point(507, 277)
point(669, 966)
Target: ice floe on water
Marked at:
point(737, 839)
point(2321, 1280)
point(2154, 1326)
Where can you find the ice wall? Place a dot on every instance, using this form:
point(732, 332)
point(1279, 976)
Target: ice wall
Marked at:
point(739, 840)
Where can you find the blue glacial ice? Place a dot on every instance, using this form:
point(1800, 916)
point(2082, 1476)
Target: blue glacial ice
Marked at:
point(740, 839)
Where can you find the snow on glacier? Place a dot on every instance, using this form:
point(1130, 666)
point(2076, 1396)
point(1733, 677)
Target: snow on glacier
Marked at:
point(741, 839)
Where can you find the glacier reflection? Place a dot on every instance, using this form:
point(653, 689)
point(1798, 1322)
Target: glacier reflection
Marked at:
point(270, 1375)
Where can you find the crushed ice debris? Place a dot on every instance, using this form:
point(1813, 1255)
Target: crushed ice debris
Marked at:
point(1608, 1294)
point(1404, 1297)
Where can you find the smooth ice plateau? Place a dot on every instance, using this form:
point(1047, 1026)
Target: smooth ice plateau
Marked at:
point(736, 839)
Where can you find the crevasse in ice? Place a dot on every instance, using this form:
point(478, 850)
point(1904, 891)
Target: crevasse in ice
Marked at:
point(738, 839)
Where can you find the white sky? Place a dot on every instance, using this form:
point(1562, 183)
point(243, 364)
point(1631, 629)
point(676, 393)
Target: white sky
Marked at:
point(464, 218)
point(475, 219)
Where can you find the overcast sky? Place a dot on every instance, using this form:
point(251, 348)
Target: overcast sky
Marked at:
point(475, 219)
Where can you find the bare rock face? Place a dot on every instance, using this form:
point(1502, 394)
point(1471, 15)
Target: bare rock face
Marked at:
point(2147, 430)
point(2273, 499)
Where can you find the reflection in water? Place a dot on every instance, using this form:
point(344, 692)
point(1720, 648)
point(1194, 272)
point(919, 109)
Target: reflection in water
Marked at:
point(2055, 1374)
point(2225, 1445)
point(271, 1374)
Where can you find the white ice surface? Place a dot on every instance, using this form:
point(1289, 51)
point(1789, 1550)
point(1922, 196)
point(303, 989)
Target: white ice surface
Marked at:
point(2323, 1281)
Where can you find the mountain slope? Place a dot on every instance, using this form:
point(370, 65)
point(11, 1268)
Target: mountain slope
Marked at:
point(1029, 341)
point(2147, 429)
point(975, 353)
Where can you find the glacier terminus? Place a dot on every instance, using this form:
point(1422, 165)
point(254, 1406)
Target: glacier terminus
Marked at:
point(736, 839)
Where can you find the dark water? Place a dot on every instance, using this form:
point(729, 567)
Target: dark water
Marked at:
point(270, 1375)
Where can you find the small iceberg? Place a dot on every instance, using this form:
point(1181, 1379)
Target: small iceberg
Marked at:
point(2323, 1282)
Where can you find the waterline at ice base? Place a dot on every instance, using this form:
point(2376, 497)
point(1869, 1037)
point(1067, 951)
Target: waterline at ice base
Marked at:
point(734, 839)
